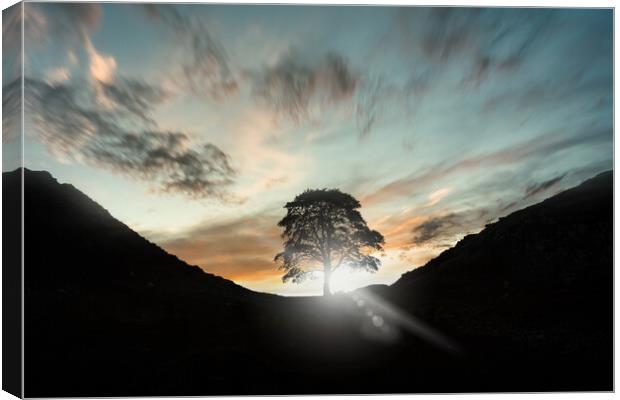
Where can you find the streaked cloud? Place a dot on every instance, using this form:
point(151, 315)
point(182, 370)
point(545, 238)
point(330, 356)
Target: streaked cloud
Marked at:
point(444, 230)
point(57, 75)
point(136, 98)
point(536, 188)
point(11, 110)
point(70, 122)
point(206, 71)
point(437, 195)
point(482, 41)
point(102, 67)
point(66, 23)
point(544, 145)
point(301, 88)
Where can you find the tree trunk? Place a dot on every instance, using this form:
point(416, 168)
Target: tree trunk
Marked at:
point(326, 289)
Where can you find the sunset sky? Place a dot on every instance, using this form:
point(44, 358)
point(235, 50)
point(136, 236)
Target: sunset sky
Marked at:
point(195, 124)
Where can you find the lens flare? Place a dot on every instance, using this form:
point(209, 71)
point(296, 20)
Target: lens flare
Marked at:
point(385, 316)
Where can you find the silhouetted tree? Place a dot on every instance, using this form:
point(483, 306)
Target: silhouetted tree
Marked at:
point(323, 230)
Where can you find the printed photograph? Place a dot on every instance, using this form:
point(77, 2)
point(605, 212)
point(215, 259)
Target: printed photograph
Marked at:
point(223, 199)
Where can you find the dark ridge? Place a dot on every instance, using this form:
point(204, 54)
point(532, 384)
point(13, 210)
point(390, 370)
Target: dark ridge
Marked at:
point(591, 199)
point(93, 235)
point(534, 289)
point(12, 293)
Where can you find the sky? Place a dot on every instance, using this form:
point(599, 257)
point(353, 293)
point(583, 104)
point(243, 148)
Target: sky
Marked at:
point(195, 124)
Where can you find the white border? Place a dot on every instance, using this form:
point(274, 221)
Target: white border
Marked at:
point(478, 3)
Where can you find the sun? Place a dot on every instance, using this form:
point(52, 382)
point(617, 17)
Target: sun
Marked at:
point(346, 279)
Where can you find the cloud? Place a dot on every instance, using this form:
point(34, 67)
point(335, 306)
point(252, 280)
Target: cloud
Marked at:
point(437, 196)
point(449, 32)
point(72, 58)
point(67, 119)
point(542, 146)
point(482, 42)
point(102, 68)
point(379, 99)
point(135, 97)
point(77, 17)
point(57, 75)
point(238, 249)
point(372, 99)
point(298, 88)
point(207, 71)
point(69, 23)
point(303, 88)
point(12, 35)
point(436, 227)
point(11, 110)
point(396, 228)
point(443, 230)
point(536, 188)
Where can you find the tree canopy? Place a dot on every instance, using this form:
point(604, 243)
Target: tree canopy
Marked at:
point(323, 231)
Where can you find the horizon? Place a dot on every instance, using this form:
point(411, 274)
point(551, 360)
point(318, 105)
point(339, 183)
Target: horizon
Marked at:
point(343, 291)
point(195, 124)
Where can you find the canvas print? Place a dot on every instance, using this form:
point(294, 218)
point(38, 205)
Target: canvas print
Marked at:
point(220, 199)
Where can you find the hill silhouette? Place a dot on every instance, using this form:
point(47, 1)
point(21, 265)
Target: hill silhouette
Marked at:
point(534, 289)
point(108, 313)
point(96, 248)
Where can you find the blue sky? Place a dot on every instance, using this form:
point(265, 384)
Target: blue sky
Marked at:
point(195, 124)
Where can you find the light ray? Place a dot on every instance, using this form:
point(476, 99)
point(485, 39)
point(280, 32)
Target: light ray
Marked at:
point(382, 312)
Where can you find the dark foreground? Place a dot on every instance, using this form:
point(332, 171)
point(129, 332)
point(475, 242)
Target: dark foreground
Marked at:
point(526, 305)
